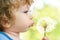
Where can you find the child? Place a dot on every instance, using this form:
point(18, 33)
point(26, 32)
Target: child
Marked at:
point(14, 18)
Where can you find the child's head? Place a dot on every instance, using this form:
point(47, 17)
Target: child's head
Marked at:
point(14, 15)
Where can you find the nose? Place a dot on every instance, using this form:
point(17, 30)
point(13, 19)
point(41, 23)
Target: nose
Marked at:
point(30, 15)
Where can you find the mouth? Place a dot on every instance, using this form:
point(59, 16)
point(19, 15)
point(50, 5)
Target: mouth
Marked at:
point(31, 25)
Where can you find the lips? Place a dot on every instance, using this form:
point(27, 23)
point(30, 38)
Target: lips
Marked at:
point(31, 24)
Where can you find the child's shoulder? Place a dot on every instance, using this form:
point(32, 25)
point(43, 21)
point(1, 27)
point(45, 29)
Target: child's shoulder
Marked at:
point(4, 36)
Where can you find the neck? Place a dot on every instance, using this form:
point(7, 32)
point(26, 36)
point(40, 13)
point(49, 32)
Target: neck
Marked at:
point(12, 33)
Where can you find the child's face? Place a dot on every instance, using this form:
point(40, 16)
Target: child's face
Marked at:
point(23, 19)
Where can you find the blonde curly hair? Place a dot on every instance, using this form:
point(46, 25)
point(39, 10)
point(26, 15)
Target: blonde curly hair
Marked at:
point(6, 8)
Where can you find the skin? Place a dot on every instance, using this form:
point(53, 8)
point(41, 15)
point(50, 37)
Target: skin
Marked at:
point(23, 21)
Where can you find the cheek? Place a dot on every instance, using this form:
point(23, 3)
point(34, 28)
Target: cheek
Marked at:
point(22, 18)
point(25, 20)
point(22, 21)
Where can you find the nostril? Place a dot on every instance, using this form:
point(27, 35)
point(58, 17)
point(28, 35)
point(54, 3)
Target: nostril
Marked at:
point(30, 15)
point(31, 18)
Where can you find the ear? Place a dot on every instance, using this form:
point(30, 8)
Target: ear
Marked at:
point(5, 24)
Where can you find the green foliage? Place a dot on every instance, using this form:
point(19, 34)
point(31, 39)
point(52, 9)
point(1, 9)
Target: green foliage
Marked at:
point(47, 11)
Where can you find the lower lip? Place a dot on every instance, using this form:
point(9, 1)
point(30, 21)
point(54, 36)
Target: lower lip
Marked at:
point(31, 25)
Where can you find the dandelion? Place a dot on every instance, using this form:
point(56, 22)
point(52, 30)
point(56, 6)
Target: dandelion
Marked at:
point(45, 23)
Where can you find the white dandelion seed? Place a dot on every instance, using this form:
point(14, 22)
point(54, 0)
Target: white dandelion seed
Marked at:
point(50, 24)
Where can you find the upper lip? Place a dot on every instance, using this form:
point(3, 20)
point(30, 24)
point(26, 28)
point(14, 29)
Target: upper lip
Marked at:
point(32, 24)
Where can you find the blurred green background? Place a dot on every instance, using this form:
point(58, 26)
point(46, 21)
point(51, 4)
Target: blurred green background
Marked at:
point(46, 11)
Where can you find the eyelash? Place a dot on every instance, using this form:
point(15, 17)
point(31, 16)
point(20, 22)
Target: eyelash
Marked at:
point(26, 12)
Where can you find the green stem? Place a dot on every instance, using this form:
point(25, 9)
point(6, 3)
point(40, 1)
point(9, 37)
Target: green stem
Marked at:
point(44, 32)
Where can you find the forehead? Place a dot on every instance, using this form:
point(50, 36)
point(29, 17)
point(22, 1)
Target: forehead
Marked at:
point(24, 7)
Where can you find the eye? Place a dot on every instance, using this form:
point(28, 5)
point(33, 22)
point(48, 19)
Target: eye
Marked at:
point(25, 11)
